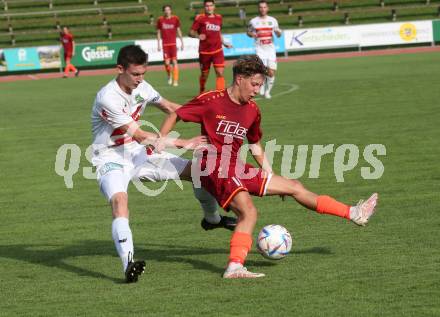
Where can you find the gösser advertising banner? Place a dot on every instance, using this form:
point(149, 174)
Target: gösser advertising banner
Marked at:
point(97, 54)
point(360, 35)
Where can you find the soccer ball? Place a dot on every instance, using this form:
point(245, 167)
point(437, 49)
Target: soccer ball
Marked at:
point(274, 242)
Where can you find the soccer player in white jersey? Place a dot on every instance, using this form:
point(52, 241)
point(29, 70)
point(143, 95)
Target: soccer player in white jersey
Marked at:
point(120, 154)
point(262, 28)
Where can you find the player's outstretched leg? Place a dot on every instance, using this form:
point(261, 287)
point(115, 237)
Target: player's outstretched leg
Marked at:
point(241, 240)
point(359, 214)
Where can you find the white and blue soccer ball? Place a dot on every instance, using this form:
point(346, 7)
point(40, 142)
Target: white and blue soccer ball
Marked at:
point(274, 242)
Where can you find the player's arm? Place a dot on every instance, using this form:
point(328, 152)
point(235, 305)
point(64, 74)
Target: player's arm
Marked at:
point(277, 30)
point(251, 31)
point(158, 40)
point(260, 156)
point(167, 106)
point(149, 138)
point(169, 123)
point(73, 48)
point(225, 44)
point(179, 34)
point(194, 34)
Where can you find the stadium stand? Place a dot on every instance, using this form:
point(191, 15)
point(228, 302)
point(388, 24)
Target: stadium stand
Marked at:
point(36, 22)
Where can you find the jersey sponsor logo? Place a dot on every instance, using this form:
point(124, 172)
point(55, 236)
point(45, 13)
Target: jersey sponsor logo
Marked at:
point(100, 53)
point(166, 26)
point(231, 129)
point(111, 166)
point(212, 27)
point(220, 116)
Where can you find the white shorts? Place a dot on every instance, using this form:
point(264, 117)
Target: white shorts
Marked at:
point(268, 56)
point(114, 177)
point(270, 63)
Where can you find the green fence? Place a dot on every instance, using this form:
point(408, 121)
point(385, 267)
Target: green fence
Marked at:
point(436, 30)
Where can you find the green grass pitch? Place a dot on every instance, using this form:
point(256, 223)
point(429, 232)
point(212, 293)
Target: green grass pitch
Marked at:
point(56, 253)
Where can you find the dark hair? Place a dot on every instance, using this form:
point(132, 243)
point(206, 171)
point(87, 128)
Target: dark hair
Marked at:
point(262, 1)
point(132, 54)
point(166, 6)
point(249, 65)
point(204, 1)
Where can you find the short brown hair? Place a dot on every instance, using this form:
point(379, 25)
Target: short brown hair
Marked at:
point(132, 54)
point(249, 65)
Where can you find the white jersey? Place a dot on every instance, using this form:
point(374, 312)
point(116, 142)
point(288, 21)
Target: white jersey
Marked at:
point(112, 109)
point(264, 29)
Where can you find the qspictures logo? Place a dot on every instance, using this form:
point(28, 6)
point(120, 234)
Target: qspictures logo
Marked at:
point(100, 53)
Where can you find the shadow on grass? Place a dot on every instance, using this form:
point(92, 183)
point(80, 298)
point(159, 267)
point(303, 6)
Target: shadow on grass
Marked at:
point(55, 256)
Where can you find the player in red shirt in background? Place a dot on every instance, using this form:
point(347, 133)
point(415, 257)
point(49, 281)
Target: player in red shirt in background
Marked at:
point(227, 117)
point(68, 43)
point(168, 26)
point(207, 28)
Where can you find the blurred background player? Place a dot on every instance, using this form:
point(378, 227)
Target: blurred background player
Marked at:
point(227, 117)
point(207, 28)
point(168, 26)
point(68, 43)
point(262, 29)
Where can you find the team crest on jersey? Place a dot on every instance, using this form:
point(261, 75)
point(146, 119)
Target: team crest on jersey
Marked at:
point(138, 98)
point(231, 129)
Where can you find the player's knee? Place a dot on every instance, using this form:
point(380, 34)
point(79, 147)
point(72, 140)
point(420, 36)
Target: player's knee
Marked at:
point(119, 203)
point(249, 213)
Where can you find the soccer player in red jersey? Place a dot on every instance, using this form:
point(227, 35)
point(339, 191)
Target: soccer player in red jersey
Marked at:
point(68, 43)
point(168, 26)
point(227, 117)
point(207, 28)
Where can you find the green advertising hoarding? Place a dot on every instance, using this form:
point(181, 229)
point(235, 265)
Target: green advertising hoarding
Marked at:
point(97, 54)
point(436, 30)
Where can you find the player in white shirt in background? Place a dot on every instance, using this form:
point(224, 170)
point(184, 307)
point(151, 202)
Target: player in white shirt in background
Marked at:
point(120, 153)
point(262, 28)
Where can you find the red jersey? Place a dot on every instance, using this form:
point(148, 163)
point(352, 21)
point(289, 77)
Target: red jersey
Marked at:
point(67, 42)
point(224, 121)
point(168, 29)
point(211, 26)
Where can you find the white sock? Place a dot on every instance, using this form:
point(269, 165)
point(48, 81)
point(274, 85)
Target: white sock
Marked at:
point(269, 83)
point(209, 205)
point(233, 266)
point(123, 239)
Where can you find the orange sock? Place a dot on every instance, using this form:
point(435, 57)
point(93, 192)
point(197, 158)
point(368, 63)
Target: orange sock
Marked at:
point(330, 206)
point(168, 69)
point(202, 82)
point(220, 83)
point(69, 68)
point(240, 245)
point(176, 74)
point(73, 68)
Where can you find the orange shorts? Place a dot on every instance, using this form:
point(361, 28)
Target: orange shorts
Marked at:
point(217, 59)
point(169, 52)
point(225, 188)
